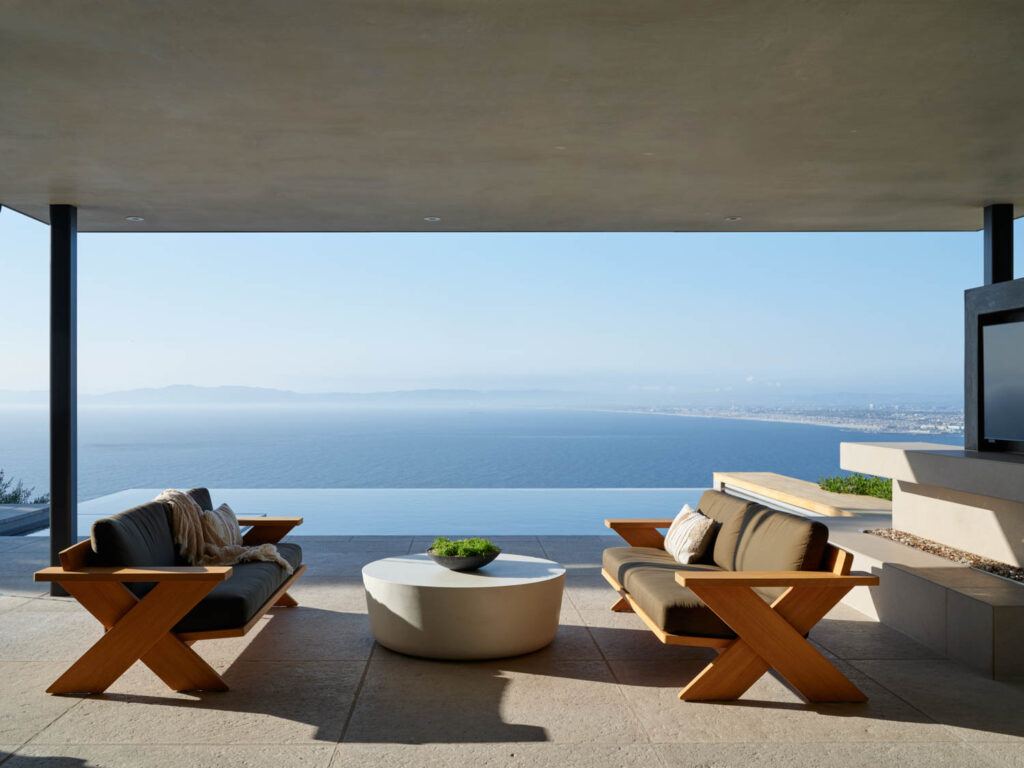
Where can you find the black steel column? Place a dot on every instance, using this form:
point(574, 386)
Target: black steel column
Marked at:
point(998, 243)
point(63, 381)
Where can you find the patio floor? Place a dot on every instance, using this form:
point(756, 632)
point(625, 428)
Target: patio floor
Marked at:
point(310, 688)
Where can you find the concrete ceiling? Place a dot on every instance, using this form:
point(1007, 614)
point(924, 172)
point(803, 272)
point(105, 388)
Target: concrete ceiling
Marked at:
point(512, 115)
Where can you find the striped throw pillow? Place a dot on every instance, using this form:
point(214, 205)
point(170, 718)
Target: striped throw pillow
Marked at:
point(689, 535)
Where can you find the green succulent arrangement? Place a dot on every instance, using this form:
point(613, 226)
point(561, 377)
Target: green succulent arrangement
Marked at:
point(463, 547)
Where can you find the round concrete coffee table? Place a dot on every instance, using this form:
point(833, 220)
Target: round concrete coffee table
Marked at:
point(507, 608)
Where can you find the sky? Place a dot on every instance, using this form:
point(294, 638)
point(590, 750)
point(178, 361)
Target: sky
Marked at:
point(668, 313)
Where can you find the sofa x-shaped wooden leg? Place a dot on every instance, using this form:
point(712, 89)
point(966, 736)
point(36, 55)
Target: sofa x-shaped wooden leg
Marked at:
point(138, 629)
point(771, 636)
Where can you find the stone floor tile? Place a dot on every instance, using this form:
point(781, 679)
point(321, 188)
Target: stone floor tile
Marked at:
point(625, 636)
point(591, 593)
point(973, 707)
point(336, 594)
point(297, 634)
point(269, 703)
point(1006, 754)
point(599, 543)
point(587, 554)
point(28, 557)
point(17, 581)
point(49, 603)
point(530, 699)
point(850, 634)
point(172, 756)
point(573, 640)
point(26, 707)
point(382, 545)
point(331, 565)
point(855, 755)
point(575, 572)
point(768, 712)
point(333, 543)
point(27, 634)
point(7, 602)
point(495, 755)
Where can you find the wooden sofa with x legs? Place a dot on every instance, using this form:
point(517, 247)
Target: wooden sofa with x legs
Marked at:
point(766, 579)
point(153, 605)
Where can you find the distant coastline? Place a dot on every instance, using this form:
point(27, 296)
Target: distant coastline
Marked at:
point(906, 415)
point(914, 422)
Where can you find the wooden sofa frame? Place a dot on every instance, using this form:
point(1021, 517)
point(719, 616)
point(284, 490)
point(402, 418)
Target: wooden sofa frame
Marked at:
point(768, 636)
point(139, 629)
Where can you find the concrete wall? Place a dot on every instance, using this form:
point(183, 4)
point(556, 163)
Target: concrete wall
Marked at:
point(983, 525)
point(966, 500)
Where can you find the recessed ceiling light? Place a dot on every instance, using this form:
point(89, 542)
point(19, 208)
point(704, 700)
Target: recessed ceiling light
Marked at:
point(431, 218)
point(734, 218)
point(133, 218)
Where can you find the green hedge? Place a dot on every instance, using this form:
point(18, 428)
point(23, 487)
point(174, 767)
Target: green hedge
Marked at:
point(865, 485)
point(11, 493)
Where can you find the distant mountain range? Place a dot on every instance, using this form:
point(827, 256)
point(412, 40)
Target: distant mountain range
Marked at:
point(184, 395)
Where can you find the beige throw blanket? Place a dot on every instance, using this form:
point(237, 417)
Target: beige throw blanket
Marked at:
point(213, 537)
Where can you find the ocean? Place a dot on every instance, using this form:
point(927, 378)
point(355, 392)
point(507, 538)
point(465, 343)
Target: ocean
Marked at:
point(307, 447)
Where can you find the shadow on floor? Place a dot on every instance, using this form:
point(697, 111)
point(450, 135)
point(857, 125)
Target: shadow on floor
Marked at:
point(402, 700)
point(14, 760)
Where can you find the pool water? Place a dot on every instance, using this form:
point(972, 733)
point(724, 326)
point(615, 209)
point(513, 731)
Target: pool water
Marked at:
point(428, 511)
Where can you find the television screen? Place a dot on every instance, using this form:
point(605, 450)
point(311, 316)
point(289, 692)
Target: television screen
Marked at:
point(1002, 354)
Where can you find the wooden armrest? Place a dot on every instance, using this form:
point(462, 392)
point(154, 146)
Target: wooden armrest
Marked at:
point(257, 521)
point(170, 573)
point(267, 530)
point(774, 579)
point(641, 533)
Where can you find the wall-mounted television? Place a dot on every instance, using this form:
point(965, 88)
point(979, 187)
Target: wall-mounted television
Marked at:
point(994, 368)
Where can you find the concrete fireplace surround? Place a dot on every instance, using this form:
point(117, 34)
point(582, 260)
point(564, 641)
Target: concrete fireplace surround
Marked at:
point(959, 612)
point(966, 500)
point(969, 500)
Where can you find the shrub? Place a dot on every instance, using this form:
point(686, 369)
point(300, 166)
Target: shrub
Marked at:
point(462, 547)
point(865, 485)
point(11, 493)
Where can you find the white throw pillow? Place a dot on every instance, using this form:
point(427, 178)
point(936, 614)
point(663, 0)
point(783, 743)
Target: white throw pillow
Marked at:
point(220, 527)
point(689, 535)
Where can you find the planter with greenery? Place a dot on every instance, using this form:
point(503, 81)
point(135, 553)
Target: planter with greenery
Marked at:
point(864, 485)
point(464, 554)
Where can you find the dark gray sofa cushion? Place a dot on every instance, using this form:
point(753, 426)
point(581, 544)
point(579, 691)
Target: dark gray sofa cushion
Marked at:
point(201, 496)
point(142, 537)
point(136, 538)
point(648, 574)
point(233, 602)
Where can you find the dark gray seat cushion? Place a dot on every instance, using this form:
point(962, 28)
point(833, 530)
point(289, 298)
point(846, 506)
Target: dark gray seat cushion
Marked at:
point(233, 602)
point(648, 574)
point(143, 537)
